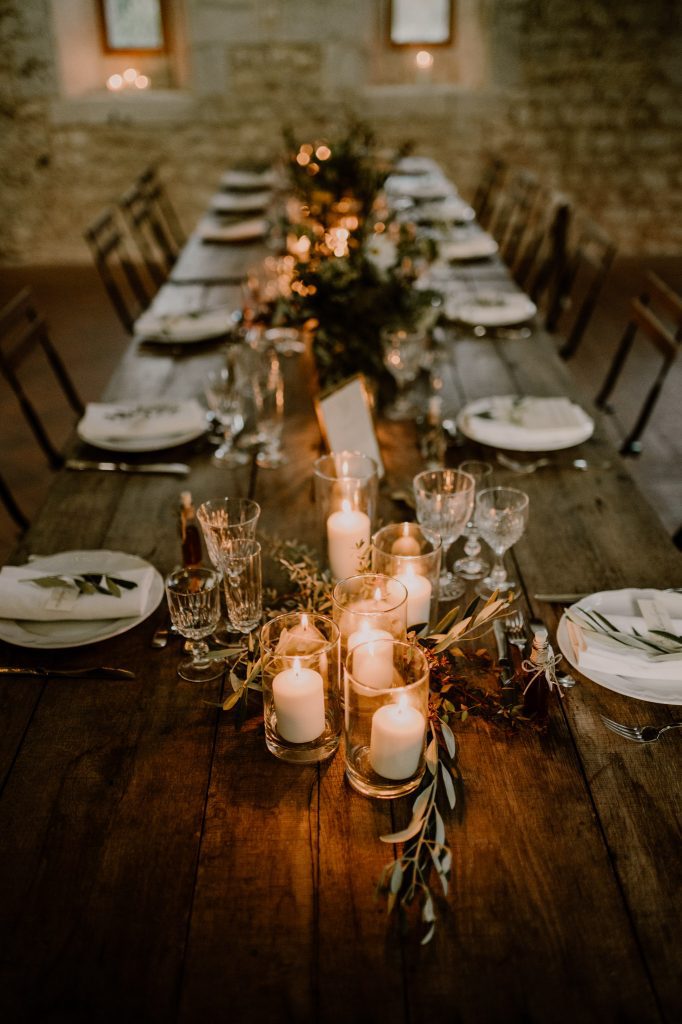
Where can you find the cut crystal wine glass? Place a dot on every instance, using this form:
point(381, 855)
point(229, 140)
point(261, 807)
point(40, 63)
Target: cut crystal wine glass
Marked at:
point(472, 566)
point(445, 499)
point(193, 597)
point(501, 518)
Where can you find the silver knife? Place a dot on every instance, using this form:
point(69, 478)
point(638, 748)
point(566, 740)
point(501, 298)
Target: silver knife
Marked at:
point(174, 468)
point(95, 672)
point(561, 598)
point(502, 653)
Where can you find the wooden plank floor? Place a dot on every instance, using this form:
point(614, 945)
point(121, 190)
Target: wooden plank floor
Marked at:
point(91, 341)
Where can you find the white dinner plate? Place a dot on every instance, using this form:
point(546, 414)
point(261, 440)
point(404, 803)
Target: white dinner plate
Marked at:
point(72, 633)
point(474, 424)
point(147, 444)
point(244, 231)
point(493, 309)
point(240, 202)
point(248, 181)
point(622, 602)
point(183, 328)
point(475, 246)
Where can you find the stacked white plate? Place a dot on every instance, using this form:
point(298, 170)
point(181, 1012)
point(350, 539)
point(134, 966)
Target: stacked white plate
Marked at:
point(65, 633)
point(141, 426)
point(183, 328)
point(633, 675)
point(525, 424)
point(492, 309)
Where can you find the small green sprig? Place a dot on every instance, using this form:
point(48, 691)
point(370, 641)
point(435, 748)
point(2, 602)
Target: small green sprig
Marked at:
point(425, 847)
point(85, 583)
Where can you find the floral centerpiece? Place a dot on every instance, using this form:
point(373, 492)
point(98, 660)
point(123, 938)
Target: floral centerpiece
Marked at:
point(355, 268)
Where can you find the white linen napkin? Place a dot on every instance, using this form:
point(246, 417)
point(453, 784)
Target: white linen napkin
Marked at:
point(24, 600)
point(231, 202)
point(593, 653)
point(513, 422)
point(126, 421)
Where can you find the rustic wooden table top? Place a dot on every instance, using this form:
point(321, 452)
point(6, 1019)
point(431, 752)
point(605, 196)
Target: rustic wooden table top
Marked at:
point(157, 865)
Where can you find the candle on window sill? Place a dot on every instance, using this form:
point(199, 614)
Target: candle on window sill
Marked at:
point(397, 740)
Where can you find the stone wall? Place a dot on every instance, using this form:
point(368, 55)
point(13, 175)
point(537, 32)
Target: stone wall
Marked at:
point(585, 92)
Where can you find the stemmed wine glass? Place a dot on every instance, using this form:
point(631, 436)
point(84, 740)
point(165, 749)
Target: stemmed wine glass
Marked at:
point(402, 353)
point(226, 523)
point(445, 499)
point(269, 395)
point(472, 566)
point(193, 597)
point(501, 518)
point(226, 401)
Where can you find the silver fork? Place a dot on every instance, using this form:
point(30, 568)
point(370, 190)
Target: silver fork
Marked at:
point(516, 630)
point(639, 733)
point(526, 468)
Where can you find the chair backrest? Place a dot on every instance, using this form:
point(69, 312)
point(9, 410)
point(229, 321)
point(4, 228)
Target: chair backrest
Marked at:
point(578, 286)
point(8, 500)
point(123, 281)
point(153, 224)
point(23, 332)
point(490, 182)
point(512, 212)
point(541, 257)
point(655, 315)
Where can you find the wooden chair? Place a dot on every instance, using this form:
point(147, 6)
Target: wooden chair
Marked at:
point(577, 288)
point(8, 500)
point(122, 279)
point(512, 213)
point(655, 315)
point(22, 333)
point(490, 183)
point(153, 224)
point(542, 256)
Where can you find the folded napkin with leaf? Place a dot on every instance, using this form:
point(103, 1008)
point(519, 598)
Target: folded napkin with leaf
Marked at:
point(124, 421)
point(519, 419)
point(626, 645)
point(26, 593)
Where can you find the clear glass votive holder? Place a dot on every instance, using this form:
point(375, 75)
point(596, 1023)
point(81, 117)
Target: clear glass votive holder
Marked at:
point(346, 485)
point(371, 606)
point(301, 667)
point(411, 554)
point(386, 726)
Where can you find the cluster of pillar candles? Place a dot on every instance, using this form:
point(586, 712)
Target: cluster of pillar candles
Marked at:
point(355, 669)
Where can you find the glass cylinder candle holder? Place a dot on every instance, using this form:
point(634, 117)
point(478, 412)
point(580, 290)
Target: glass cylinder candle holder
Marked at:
point(371, 606)
point(386, 725)
point(301, 665)
point(410, 553)
point(346, 497)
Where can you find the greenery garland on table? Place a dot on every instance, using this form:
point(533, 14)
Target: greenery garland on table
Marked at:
point(355, 268)
point(453, 697)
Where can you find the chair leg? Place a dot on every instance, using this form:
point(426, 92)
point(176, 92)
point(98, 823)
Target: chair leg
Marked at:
point(10, 504)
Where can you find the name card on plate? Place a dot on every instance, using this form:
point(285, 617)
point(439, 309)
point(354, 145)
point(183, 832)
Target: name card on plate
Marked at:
point(346, 421)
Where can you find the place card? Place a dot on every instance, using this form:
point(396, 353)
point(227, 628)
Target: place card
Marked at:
point(345, 416)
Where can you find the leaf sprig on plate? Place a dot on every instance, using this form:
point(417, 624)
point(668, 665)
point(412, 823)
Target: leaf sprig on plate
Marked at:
point(656, 644)
point(85, 583)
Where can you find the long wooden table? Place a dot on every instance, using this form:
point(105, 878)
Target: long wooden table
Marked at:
point(158, 865)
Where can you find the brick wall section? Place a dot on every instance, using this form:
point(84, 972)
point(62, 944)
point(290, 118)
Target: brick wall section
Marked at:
point(586, 92)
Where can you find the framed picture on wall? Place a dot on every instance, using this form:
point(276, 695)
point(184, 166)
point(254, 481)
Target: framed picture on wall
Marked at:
point(133, 26)
point(420, 22)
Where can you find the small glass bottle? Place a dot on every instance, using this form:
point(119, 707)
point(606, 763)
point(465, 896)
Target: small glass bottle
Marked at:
point(535, 696)
point(190, 534)
point(433, 439)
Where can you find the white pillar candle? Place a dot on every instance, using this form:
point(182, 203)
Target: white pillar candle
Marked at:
point(418, 596)
point(397, 740)
point(372, 657)
point(405, 545)
point(348, 533)
point(298, 696)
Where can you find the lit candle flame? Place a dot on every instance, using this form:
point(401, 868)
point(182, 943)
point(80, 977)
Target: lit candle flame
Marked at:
point(304, 621)
point(377, 594)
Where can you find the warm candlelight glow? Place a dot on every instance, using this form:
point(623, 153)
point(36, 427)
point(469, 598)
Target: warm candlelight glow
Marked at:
point(114, 82)
point(424, 59)
point(141, 82)
point(130, 75)
point(323, 152)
